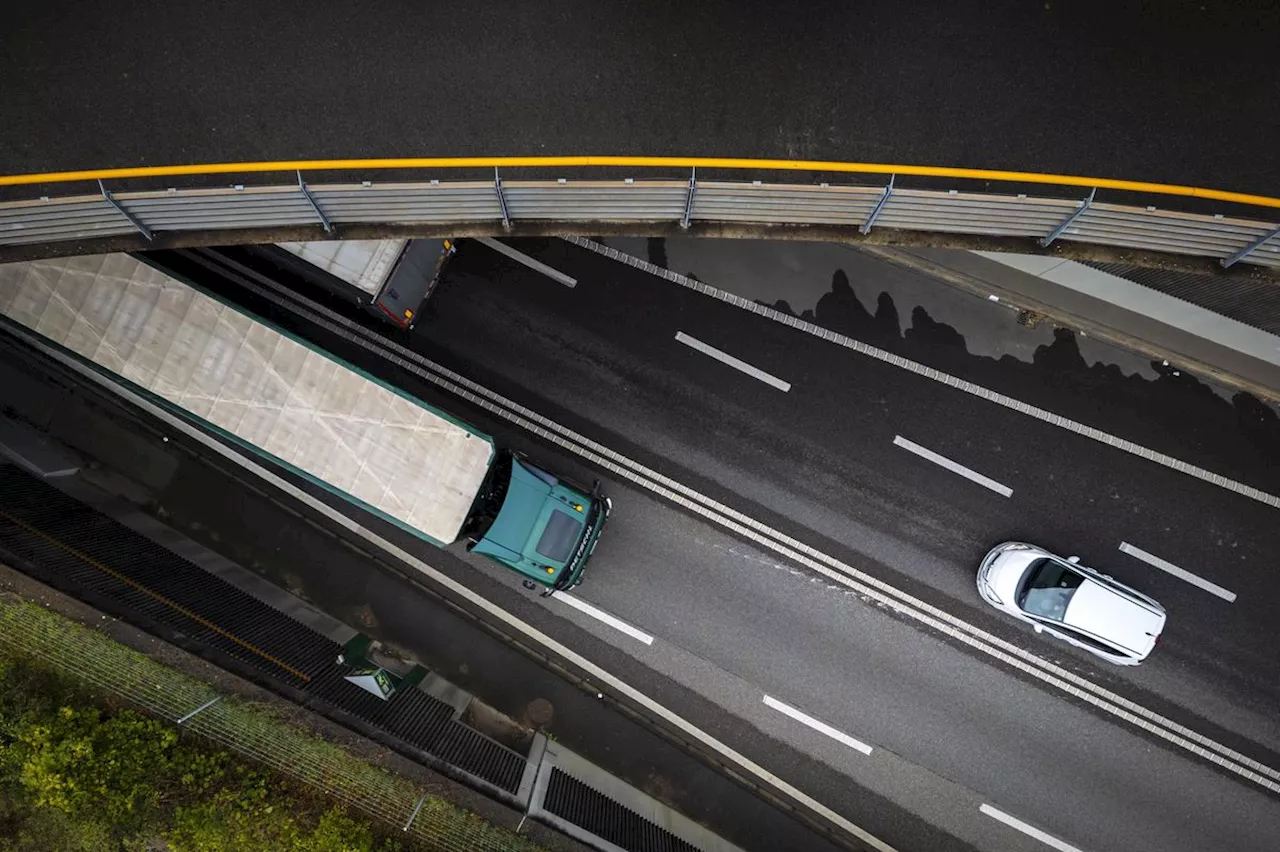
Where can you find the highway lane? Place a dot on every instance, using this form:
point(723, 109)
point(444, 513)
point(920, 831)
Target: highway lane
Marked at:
point(821, 459)
point(907, 313)
point(1093, 88)
point(854, 292)
point(720, 637)
point(959, 727)
point(259, 533)
point(172, 478)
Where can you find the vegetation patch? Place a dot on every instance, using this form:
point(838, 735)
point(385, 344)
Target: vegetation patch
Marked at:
point(83, 768)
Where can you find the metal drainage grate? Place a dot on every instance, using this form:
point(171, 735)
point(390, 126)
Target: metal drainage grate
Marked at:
point(81, 550)
point(1255, 303)
point(85, 553)
point(584, 806)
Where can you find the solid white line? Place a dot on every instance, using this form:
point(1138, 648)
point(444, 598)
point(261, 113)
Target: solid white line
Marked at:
point(954, 467)
point(599, 614)
point(1029, 830)
point(521, 257)
point(725, 358)
point(604, 676)
point(820, 727)
point(1211, 588)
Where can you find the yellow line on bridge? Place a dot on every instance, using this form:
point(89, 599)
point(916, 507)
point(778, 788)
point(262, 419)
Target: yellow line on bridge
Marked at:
point(642, 162)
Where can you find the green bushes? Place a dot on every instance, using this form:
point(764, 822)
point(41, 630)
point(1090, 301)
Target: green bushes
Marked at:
point(75, 777)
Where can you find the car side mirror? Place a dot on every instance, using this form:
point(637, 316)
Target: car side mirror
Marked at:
point(1073, 559)
point(1037, 628)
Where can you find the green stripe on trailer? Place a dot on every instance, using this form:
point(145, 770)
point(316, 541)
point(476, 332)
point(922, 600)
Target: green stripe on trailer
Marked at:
point(268, 391)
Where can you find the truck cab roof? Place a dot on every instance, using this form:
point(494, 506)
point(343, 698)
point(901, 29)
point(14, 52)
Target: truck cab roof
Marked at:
point(538, 527)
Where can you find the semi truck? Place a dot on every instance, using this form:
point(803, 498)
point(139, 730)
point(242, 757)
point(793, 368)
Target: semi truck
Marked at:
point(300, 407)
point(391, 278)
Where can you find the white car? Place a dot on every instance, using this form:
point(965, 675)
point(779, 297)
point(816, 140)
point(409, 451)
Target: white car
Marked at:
point(1073, 602)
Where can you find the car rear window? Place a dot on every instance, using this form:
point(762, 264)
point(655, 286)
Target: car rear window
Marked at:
point(559, 537)
point(1048, 589)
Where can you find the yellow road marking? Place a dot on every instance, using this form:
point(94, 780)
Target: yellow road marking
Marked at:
point(642, 162)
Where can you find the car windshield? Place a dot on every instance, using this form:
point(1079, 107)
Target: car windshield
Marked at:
point(1048, 588)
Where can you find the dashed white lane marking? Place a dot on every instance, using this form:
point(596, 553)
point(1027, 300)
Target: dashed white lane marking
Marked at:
point(954, 467)
point(820, 727)
point(599, 614)
point(1181, 574)
point(932, 374)
point(1029, 830)
point(738, 364)
point(536, 265)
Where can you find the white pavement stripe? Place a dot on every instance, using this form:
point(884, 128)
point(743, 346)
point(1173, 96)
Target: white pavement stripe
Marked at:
point(954, 467)
point(1181, 574)
point(935, 375)
point(737, 364)
point(536, 265)
point(820, 727)
point(1029, 830)
point(599, 614)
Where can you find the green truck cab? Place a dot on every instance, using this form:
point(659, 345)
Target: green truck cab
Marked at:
point(535, 523)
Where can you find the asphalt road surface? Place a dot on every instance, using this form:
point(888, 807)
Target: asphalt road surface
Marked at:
point(734, 623)
point(1180, 92)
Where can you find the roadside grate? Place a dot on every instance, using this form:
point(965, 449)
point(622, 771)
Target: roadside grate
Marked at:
point(87, 554)
point(584, 806)
point(1255, 303)
point(80, 550)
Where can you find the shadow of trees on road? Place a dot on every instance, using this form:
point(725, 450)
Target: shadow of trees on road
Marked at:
point(1173, 413)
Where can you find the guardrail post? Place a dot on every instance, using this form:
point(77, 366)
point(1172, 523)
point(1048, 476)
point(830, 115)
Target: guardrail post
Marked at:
point(502, 200)
point(688, 200)
point(1249, 249)
point(200, 709)
point(133, 220)
point(315, 205)
point(1085, 204)
point(865, 227)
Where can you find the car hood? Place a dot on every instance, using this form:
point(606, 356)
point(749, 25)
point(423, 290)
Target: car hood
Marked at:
point(1098, 610)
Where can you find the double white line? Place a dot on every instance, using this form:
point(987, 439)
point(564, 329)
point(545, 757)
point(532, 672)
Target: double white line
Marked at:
point(940, 620)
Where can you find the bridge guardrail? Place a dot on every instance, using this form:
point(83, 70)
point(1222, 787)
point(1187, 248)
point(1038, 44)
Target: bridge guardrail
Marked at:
point(585, 203)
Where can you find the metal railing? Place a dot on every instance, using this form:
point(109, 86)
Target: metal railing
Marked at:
point(576, 205)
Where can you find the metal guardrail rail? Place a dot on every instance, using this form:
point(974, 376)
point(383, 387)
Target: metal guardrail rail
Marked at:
point(436, 205)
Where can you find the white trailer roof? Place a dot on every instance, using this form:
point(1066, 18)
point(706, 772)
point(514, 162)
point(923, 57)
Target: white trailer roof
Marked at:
point(269, 390)
point(361, 263)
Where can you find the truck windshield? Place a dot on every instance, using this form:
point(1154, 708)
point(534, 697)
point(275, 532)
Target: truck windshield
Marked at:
point(559, 538)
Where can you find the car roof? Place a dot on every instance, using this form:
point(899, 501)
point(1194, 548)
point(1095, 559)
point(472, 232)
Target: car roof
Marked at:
point(1106, 613)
